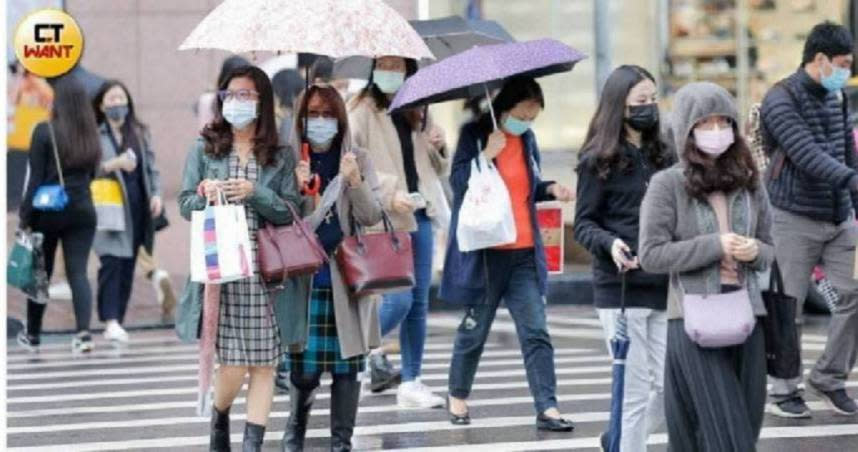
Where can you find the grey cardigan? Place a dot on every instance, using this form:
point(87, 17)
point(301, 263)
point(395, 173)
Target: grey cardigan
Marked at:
point(679, 236)
point(119, 243)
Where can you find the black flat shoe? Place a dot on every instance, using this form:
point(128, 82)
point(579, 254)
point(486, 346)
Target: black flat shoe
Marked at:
point(553, 425)
point(455, 419)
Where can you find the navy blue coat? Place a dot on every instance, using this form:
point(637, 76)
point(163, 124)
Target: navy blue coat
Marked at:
point(465, 278)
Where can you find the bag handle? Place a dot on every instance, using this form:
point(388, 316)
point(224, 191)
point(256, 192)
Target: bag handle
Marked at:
point(56, 154)
point(302, 228)
point(776, 281)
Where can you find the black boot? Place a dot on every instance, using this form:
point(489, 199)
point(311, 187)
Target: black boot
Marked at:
point(345, 394)
point(219, 436)
point(301, 402)
point(254, 434)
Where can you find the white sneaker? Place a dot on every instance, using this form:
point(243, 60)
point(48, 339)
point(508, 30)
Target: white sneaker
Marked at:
point(115, 333)
point(414, 394)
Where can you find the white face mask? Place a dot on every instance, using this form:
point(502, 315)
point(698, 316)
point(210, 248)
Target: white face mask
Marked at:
point(714, 142)
point(239, 113)
point(388, 82)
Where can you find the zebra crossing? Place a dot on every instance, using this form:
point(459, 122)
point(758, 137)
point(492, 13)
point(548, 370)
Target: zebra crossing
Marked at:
point(143, 397)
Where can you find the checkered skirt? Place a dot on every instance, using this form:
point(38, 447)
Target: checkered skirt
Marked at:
point(247, 329)
point(323, 346)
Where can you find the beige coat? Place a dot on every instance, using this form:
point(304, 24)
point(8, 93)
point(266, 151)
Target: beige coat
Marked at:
point(373, 130)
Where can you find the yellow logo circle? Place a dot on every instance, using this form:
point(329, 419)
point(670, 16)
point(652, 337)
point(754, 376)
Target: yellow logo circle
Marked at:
point(48, 42)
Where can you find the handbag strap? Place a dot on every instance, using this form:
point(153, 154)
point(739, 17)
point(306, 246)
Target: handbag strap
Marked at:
point(776, 281)
point(302, 226)
point(56, 154)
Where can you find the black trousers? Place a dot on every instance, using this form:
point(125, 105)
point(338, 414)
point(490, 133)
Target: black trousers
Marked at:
point(74, 228)
point(116, 274)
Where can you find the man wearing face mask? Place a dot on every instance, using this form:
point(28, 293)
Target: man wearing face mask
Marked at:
point(812, 181)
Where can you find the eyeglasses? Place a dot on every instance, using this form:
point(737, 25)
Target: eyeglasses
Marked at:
point(240, 95)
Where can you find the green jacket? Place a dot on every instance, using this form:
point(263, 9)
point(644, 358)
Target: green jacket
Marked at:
point(276, 185)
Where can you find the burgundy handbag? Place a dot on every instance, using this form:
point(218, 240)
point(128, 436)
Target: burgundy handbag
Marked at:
point(378, 262)
point(288, 251)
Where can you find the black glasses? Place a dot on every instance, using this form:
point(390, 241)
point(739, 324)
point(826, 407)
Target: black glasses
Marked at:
point(241, 95)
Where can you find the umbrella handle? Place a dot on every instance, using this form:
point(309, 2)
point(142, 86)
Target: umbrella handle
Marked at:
point(311, 187)
point(491, 108)
point(623, 292)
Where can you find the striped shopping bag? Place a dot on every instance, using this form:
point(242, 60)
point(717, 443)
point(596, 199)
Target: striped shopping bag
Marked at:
point(220, 245)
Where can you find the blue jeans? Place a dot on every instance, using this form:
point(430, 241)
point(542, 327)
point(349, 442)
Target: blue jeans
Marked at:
point(409, 308)
point(511, 277)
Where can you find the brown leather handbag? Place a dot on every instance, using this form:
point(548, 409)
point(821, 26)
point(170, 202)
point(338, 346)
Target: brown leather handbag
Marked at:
point(289, 251)
point(377, 262)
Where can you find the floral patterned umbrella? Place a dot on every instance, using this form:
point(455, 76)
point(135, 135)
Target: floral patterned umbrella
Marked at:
point(336, 28)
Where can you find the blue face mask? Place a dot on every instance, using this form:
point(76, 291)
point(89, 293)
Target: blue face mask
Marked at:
point(388, 81)
point(320, 131)
point(837, 79)
point(239, 113)
point(515, 126)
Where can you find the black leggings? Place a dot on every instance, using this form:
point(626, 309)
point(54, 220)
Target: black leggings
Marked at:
point(75, 229)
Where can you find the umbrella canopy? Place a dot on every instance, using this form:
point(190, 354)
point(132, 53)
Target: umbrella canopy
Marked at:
point(334, 28)
point(445, 37)
point(619, 351)
point(477, 70)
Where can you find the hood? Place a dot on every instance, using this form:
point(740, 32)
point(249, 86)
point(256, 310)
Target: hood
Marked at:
point(697, 101)
point(295, 139)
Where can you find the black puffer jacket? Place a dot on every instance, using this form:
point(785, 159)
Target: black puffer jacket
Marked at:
point(808, 124)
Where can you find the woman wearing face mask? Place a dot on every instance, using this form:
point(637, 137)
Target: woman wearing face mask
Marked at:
point(623, 150)
point(706, 222)
point(127, 157)
point(239, 155)
point(340, 330)
point(408, 153)
point(517, 272)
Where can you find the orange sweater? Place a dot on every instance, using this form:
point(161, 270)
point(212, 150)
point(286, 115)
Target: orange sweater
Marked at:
point(512, 165)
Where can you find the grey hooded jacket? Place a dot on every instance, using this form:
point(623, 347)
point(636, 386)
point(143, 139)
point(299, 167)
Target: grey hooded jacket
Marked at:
point(679, 234)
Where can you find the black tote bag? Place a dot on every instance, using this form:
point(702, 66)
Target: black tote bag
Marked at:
point(783, 356)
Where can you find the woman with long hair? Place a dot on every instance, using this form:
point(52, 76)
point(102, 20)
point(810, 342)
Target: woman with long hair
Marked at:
point(706, 222)
point(240, 156)
point(325, 328)
point(127, 159)
point(622, 151)
point(408, 152)
point(70, 134)
point(516, 273)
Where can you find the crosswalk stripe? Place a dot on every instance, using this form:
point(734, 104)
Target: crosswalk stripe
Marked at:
point(179, 378)
point(509, 327)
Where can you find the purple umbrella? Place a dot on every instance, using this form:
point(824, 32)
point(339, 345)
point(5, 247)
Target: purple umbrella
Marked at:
point(480, 69)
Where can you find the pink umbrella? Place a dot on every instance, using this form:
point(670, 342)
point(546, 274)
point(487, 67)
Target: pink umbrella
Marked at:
point(336, 28)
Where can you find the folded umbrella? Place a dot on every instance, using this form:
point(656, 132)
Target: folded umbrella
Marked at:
point(480, 69)
point(619, 351)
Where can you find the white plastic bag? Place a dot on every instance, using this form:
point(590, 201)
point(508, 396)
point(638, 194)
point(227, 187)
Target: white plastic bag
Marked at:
point(485, 218)
point(220, 245)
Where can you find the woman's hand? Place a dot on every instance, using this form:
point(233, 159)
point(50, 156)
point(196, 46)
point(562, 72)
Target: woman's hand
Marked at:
point(237, 189)
point(729, 242)
point(561, 193)
point(121, 162)
point(619, 252)
point(349, 169)
point(402, 203)
point(156, 205)
point(436, 138)
point(302, 173)
point(209, 189)
point(495, 144)
point(747, 251)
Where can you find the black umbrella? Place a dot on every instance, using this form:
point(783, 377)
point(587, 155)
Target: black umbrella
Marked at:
point(445, 37)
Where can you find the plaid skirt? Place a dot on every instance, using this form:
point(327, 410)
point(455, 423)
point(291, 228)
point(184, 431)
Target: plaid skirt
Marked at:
point(322, 353)
point(247, 330)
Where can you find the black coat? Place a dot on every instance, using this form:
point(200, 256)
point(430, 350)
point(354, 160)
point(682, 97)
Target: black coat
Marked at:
point(609, 209)
point(809, 125)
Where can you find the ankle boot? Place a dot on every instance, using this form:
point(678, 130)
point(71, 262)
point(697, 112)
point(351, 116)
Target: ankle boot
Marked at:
point(219, 436)
point(301, 402)
point(345, 395)
point(254, 434)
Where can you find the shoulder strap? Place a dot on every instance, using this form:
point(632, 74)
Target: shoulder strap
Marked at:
point(778, 155)
point(56, 154)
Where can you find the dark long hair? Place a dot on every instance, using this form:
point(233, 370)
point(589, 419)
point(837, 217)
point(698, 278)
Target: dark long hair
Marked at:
point(607, 132)
point(515, 90)
point(332, 97)
point(74, 125)
point(266, 141)
point(132, 129)
point(414, 115)
point(734, 169)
